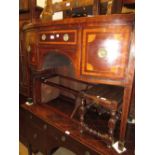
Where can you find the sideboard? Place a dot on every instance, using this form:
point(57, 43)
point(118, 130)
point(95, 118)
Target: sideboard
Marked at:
point(96, 50)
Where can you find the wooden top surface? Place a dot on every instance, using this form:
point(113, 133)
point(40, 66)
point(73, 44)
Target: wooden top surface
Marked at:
point(114, 18)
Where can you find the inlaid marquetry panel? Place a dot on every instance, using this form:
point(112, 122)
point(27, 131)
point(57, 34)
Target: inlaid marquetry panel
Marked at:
point(105, 51)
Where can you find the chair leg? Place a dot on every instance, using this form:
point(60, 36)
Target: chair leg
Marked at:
point(82, 112)
point(111, 125)
point(77, 105)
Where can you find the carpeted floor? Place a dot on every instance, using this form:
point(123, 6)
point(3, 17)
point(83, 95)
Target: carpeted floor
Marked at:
point(61, 151)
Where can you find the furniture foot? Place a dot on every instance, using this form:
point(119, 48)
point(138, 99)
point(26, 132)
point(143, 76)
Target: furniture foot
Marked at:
point(119, 147)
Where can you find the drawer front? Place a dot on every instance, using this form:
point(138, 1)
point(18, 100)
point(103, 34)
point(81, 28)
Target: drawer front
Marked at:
point(105, 51)
point(22, 127)
point(57, 138)
point(33, 130)
point(58, 37)
point(36, 137)
point(36, 132)
point(37, 122)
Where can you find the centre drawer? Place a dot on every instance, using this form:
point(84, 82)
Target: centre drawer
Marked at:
point(58, 37)
point(36, 138)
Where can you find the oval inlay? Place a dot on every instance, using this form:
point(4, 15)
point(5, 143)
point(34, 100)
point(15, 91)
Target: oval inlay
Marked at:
point(66, 37)
point(43, 37)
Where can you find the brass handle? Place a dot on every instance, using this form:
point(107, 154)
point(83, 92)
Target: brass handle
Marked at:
point(30, 116)
point(63, 138)
point(35, 135)
point(56, 138)
point(28, 48)
point(87, 153)
point(45, 127)
point(102, 52)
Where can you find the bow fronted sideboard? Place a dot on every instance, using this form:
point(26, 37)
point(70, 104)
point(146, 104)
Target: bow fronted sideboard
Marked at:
point(95, 50)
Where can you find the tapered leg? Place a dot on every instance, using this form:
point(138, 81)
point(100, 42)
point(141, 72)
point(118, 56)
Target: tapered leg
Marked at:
point(124, 116)
point(111, 125)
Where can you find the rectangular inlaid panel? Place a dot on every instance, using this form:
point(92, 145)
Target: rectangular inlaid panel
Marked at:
point(105, 51)
point(58, 37)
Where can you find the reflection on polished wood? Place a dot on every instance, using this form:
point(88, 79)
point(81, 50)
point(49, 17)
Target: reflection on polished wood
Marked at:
point(55, 115)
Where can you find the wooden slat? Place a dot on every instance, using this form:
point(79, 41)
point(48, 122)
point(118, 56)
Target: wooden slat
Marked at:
point(75, 92)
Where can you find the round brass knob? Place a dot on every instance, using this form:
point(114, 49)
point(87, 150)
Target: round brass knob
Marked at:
point(87, 153)
point(45, 127)
point(35, 135)
point(63, 138)
point(28, 48)
point(30, 116)
point(43, 37)
point(56, 138)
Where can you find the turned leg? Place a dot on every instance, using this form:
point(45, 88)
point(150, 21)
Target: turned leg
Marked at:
point(111, 125)
point(82, 112)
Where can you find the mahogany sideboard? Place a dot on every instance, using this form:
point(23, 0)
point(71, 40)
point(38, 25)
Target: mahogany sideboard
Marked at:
point(98, 50)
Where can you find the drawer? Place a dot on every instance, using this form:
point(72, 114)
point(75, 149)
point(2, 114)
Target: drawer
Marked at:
point(56, 135)
point(33, 120)
point(58, 138)
point(22, 126)
point(105, 51)
point(58, 37)
point(36, 138)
